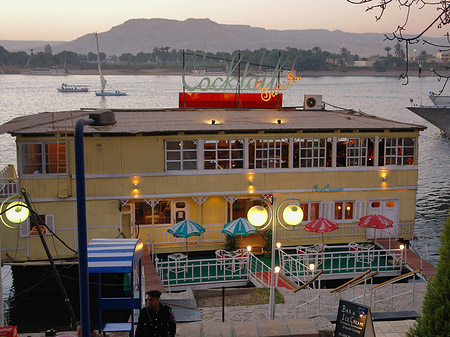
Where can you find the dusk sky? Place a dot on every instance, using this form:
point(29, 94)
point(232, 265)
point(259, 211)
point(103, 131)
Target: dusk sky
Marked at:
point(53, 20)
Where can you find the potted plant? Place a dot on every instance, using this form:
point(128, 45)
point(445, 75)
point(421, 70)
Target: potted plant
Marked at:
point(267, 236)
point(232, 243)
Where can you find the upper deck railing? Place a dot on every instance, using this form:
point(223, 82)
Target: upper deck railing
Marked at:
point(9, 183)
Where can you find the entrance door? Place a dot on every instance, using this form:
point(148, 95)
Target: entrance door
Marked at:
point(390, 209)
point(180, 210)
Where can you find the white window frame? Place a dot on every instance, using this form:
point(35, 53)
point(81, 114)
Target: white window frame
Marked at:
point(398, 156)
point(43, 159)
point(270, 155)
point(314, 148)
point(309, 203)
point(356, 152)
point(25, 226)
point(182, 152)
point(343, 202)
point(229, 150)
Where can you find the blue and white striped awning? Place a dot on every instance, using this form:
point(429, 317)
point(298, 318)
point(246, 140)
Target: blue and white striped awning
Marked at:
point(114, 255)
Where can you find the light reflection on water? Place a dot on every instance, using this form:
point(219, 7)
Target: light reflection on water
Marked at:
point(381, 96)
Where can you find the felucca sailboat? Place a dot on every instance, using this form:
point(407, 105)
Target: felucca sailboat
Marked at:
point(104, 92)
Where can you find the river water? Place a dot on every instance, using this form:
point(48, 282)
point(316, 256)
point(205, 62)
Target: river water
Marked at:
point(380, 96)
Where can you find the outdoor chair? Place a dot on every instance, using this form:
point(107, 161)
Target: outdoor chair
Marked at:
point(353, 251)
point(240, 257)
point(223, 258)
point(301, 254)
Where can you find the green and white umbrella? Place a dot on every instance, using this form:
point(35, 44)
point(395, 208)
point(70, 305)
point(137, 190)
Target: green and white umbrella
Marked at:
point(185, 229)
point(239, 226)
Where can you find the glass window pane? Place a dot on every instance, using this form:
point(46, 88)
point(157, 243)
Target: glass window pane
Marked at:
point(173, 166)
point(55, 158)
point(173, 155)
point(173, 145)
point(189, 165)
point(32, 159)
point(189, 144)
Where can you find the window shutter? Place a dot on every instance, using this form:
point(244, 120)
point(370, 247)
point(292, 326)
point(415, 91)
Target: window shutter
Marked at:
point(50, 221)
point(25, 228)
point(360, 209)
point(327, 210)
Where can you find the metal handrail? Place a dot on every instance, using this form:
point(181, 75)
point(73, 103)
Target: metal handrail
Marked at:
point(351, 285)
point(391, 282)
point(351, 281)
point(308, 301)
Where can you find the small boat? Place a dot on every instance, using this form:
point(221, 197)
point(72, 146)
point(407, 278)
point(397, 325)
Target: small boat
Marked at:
point(104, 92)
point(73, 88)
point(439, 99)
point(204, 72)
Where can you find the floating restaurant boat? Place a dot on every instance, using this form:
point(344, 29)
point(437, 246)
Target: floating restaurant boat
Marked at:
point(157, 167)
point(52, 71)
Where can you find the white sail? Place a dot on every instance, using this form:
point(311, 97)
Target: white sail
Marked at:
point(102, 79)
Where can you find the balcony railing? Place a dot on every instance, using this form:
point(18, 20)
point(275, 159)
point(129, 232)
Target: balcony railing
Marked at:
point(213, 235)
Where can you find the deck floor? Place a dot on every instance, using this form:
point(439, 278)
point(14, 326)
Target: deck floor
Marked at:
point(202, 268)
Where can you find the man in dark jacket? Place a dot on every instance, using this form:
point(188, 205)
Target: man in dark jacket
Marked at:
point(156, 319)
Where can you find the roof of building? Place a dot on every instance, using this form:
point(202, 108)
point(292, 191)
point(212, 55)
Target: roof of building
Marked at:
point(114, 255)
point(167, 121)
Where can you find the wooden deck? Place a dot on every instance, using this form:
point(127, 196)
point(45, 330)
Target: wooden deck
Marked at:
point(412, 259)
point(152, 280)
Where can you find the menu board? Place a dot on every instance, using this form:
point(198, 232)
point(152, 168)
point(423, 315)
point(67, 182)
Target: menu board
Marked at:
point(353, 320)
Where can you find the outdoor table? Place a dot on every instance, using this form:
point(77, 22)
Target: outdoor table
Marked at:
point(365, 253)
point(178, 264)
point(311, 254)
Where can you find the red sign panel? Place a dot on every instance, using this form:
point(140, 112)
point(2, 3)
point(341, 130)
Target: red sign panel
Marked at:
point(222, 100)
point(8, 331)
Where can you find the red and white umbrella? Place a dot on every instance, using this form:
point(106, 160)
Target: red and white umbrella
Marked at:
point(321, 225)
point(375, 221)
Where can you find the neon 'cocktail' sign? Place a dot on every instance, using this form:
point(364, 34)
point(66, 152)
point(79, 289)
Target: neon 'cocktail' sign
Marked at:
point(229, 82)
point(267, 93)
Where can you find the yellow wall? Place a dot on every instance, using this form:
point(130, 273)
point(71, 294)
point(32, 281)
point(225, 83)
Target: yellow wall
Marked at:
point(143, 154)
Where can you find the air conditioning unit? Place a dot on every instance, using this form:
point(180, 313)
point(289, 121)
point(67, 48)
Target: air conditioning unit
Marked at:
point(313, 102)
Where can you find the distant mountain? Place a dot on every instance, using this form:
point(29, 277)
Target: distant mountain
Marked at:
point(37, 46)
point(138, 35)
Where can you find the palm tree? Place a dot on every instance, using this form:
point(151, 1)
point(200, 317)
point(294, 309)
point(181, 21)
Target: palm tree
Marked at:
point(388, 49)
point(398, 51)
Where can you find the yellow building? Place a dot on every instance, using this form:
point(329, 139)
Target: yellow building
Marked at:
point(157, 167)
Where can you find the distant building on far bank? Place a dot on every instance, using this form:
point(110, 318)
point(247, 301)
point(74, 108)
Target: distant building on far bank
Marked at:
point(366, 63)
point(443, 57)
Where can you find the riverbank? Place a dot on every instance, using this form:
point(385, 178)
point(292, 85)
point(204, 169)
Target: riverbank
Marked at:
point(162, 72)
point(353, 72)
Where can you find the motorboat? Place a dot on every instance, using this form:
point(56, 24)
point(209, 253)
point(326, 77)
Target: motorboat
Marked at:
point(73, 88)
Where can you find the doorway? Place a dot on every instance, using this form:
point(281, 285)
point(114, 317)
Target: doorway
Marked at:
point(390, 208)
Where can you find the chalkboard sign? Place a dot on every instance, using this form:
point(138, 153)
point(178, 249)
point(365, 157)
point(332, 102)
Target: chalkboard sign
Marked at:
point(353, 320)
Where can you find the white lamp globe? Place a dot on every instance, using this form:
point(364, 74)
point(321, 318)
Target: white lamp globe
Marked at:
point(257, 215)
point(293, 215)
point(17, 212)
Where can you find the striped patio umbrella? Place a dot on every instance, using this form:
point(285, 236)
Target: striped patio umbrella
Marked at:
point(185, 229)
point(321, 225)
point(375, 221)
point(239, 226)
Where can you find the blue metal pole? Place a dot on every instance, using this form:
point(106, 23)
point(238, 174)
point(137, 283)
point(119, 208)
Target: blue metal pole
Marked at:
point(82, 230)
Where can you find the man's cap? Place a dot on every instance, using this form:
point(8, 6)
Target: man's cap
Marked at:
point(154, 293)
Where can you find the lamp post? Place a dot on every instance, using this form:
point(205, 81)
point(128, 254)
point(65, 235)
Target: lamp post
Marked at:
point(100, 119)
point(259, 217)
